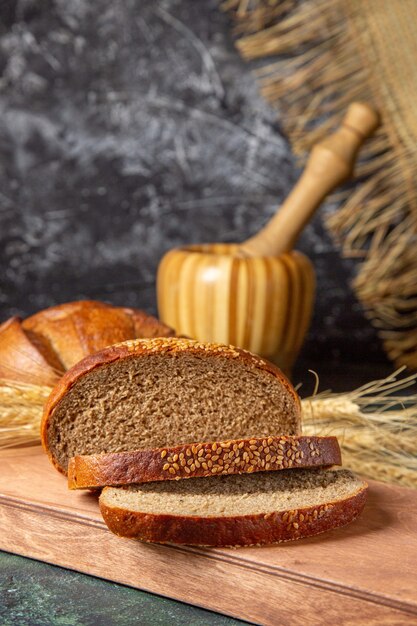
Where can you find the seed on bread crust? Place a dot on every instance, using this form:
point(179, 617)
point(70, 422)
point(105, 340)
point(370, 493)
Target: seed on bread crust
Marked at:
point(126, 358)
point(189, 460)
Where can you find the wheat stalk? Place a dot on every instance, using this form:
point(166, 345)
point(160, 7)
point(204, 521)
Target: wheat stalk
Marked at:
point(21, 407)
point(376, 427)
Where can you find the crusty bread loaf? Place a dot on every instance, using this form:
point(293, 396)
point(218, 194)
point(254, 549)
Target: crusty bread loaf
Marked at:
point(242, 510)
point(202, 459)
point(21, 360)
point(39, 349)
point(165, 392)
point(77, 329)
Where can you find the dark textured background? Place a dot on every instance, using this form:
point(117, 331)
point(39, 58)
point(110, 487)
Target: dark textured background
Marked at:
point(131, 126)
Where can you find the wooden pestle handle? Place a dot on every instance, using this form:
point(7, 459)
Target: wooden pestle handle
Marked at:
point(331, 162)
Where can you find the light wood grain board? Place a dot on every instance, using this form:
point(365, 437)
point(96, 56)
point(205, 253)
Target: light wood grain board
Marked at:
point(365, 573)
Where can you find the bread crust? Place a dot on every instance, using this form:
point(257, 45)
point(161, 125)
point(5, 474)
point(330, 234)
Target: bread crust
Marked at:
point(146, 326)
point(233, 531)
point(76, 329)
point(20, 359)
point(194, 460)
point(40, 348)
point(139, 348)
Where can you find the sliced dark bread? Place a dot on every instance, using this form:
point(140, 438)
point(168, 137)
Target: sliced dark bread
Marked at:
point(202, 459)
point(239, 510)
point(152, 393)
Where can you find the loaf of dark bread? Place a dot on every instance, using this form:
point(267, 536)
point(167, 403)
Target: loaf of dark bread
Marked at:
point(202, 459)
point(242, 510)
point(40, 348)
point(155, 393)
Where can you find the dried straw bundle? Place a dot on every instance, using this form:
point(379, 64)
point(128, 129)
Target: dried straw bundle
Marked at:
point(377, 430)
point(21, 408)
point(320, 55)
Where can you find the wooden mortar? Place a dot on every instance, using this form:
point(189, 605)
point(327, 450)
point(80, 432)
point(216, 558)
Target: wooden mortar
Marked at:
point(259, 295)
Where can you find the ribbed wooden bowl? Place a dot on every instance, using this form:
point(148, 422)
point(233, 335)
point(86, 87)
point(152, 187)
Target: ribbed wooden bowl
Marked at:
point(262, 304)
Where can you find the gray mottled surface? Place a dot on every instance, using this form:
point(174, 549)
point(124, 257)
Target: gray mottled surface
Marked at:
point(126, 128)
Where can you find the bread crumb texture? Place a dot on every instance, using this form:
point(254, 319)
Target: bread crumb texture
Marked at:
point(165, 392)
point(239, 495)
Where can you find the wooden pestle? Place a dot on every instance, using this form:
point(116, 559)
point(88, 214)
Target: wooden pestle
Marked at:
point(259, 295)
point(331, 162)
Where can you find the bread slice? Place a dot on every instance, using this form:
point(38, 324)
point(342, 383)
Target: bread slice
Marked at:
point(202, 459)
point(163, 392)
point(242, 510)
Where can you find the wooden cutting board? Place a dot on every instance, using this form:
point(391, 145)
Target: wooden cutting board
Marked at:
point(365, 573)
